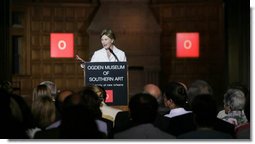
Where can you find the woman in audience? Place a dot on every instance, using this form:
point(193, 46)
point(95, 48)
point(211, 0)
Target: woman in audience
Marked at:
point(43, 109)
point(240, 87)
point(44, 113)
point(175, 98)
point(107, 111)
point(234, 101)
point(179, 120)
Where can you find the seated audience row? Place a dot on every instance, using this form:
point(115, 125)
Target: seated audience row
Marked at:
point(176, 112)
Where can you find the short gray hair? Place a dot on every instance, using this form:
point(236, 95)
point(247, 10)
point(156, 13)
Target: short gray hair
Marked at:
point(198, 87)
point(235, 99)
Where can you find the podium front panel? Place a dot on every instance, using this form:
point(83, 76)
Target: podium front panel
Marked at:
point(112, 76)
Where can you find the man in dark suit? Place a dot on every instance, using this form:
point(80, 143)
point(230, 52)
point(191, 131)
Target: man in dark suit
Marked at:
point(199, 87)
point(155, 91)
point(143, 109)
point(205, 112)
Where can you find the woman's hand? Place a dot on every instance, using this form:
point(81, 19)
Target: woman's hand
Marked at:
point(79, 58)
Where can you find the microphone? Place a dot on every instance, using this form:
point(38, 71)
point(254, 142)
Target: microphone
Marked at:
point(114, 54)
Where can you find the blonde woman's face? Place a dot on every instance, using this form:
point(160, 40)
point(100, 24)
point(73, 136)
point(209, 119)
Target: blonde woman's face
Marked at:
point(106, 41)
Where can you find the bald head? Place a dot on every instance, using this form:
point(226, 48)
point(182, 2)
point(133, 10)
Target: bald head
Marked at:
point(63, 95)
point(152, 90)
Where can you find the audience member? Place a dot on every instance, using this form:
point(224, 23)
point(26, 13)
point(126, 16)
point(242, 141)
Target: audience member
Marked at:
point(205, 111)
point(52, 86)
point(178, 120)
point(44, 114)
point(90, 99)
point(78, 122)
point(200, 87)
point(238, 86)
point(52, 131)
point(143, 109)
point(123, 121)
point(41, 91)
point(21, 111)
point(155, 91)
point(107, 111)
point(234, 101)
point(62, 95)
point(15, 116)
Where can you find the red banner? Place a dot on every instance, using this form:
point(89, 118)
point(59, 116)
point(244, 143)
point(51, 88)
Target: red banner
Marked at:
point(187, 45)
point(61, 45)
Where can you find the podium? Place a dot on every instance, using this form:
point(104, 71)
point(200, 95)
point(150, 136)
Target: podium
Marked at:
point(112, 76)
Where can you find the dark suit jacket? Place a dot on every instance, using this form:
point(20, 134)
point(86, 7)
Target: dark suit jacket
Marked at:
point(176, 125)
point(109, 124)
point(223, 126)
point(185, 123)
point(205, 134)
point(47, 134)
point(122, 121)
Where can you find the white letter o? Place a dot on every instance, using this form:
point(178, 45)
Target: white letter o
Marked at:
point(187, 44)
point(61, 42)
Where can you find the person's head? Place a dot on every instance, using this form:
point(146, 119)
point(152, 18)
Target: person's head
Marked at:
point(44, 111)
point(21, 111)
point(153, 90)
point(103, 94)
point(175, 95)
point(52, 86)
point(205, 110)
point(78, 122)
point(107, 38)
point(78, 117)
point(143, 108)
point(198, 87)
point(234, 100)
point(99, 90)
point(62, 95)
point(40, 91)
point(242, 87)
point(91, 100)
point(14, 113)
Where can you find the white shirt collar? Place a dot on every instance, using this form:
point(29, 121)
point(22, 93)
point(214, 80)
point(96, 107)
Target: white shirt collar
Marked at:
point(176, 112)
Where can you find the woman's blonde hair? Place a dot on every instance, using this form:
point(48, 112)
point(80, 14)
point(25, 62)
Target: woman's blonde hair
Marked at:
point(43, 111)
point(40, 91)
